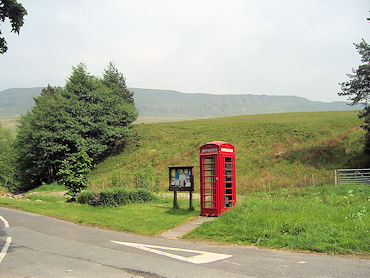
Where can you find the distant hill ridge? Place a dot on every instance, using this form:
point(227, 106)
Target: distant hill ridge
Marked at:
point(154, 103)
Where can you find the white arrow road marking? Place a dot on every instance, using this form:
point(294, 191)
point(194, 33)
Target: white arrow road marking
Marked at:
point(5, 248)
point(8, 240)
point(202, 258)
point(4, 221)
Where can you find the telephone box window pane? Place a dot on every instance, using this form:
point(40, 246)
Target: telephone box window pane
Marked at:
point(209, 205)
point(208, 166)
point(228, 179)
point(227, 159)
point(208, 179)
point(228, 185)
point(229, 204)
point(210, 185)
point(208, 160)
point(227, 173)
point(209, 198)
point(209, 192)
point(228, 166)
point(229, 191)
point(209, 173)
point(228, 198)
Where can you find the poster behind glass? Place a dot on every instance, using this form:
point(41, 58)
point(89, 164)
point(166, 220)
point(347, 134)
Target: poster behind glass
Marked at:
point(181, 178)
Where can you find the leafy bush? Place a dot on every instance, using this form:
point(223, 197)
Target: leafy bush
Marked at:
point(106, 198)
point(140, 195)
point(115, 197)
point(75, 170)
point(121, 196)
point(86, 197)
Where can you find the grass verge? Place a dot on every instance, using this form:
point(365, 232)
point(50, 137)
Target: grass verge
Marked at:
point(331, 219)
point(144, 218)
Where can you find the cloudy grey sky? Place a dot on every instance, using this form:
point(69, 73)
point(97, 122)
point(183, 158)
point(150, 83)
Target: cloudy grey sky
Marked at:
point(281, 47)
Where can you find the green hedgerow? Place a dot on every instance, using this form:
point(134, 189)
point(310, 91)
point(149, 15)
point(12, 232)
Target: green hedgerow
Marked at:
point(115, 197)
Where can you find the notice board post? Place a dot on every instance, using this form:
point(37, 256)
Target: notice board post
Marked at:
point(181, 178)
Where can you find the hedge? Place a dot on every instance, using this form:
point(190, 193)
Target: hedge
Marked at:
point(115, 197)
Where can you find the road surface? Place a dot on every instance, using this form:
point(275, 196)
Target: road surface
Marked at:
point(39, 246)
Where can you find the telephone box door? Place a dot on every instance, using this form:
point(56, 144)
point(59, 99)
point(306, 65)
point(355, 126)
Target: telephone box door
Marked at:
point(228, 182)
point(208, 186)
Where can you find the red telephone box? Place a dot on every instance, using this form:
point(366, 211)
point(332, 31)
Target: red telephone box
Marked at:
point(217, 178)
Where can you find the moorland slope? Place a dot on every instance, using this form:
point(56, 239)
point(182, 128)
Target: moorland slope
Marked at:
point(272, 150)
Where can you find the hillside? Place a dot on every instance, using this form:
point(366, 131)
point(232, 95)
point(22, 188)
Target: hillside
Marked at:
point(165, 105)
point(272, 150)
point(17, 101)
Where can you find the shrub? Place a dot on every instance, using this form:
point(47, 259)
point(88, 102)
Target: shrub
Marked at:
point(121, 196)
point(115, 197)
point(106, 198)
point(86, 197)
point(141, 195)
point(74, 172)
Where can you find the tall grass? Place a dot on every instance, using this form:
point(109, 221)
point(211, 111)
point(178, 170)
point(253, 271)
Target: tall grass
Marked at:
point(272, 151)
point(333, 219)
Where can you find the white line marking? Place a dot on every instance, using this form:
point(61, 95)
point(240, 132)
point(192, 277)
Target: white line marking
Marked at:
point(5, 248)
point(5, 222)
point(203, 257)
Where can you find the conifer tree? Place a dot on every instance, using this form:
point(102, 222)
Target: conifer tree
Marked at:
point(357, 89)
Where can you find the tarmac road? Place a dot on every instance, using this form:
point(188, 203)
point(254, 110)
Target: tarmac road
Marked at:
point(41, 246)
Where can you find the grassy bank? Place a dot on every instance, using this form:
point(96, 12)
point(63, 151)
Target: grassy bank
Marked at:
point(332, 219)
point(272, 151)
point(144, 218)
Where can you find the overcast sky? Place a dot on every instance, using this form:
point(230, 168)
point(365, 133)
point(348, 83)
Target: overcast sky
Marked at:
point(301, 48)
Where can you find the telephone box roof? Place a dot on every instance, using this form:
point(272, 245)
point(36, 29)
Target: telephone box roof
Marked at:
point(218, 143)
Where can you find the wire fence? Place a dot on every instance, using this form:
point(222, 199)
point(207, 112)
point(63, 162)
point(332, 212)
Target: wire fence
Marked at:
point(352, 176)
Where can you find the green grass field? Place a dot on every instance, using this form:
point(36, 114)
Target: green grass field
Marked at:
point(332, 219)
point(272, 151)
point(145, 218)
point(284, 165)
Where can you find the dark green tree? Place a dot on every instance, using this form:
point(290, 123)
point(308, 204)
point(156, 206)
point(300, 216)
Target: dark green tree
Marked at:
point(85, 108)
point(41, 140)
point(115, 80)
point(357, 89)
point(102, 112)
point(15, 12)
point(7, 159)
point(75, 169)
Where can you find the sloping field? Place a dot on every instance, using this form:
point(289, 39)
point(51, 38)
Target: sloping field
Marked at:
point(272, 150)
